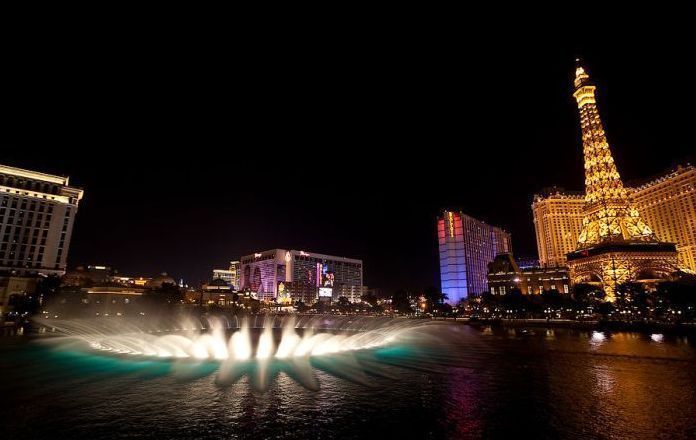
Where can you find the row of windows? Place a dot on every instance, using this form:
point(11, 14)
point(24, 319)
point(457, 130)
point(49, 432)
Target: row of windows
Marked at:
point(20, 229)
point(330, 262)
point(33, 185)
point(502, 290)
point(34, 265)
point(7, 244)
point(19, 221)
point(22, 257)
point(5, 212)
point(13, 257)
point(23, 203)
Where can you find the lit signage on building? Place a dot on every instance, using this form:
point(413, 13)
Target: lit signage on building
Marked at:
point(318, 274)
point(283, 294)
point(325, 277)
point(325, 292)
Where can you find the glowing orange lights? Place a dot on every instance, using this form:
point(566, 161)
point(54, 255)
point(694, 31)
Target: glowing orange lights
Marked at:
point(615, 244)
point(607, 213)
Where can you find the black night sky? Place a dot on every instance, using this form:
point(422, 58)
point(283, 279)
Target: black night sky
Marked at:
point(192, 154)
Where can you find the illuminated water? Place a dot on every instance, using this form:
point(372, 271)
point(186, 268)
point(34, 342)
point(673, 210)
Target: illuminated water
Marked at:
point(451, 381)
point(221, 340)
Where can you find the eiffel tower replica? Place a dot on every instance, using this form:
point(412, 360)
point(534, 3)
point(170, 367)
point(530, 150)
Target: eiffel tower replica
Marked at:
point(615, 244)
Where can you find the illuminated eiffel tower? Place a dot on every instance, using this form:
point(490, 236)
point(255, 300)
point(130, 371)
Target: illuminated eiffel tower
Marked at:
point(615, 244)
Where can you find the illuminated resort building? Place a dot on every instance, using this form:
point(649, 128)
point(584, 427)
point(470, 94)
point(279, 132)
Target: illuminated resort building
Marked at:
point(615, 244)
point(466, 247)
point(354, 294)
point(94, 275)
point(231, 275)
point(667, 203)
point(286, 276)
point(506, 275)
point(557, 222)
point(216, 291)
point(90, 275)
point(99, 291)
point(37, 212)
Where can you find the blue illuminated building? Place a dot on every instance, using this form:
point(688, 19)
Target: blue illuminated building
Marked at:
point(466, 247)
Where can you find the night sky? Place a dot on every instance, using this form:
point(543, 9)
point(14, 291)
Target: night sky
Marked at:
point(192, 153)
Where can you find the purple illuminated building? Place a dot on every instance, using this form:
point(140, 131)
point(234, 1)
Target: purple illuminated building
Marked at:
point(466, 247)
point(288, 275)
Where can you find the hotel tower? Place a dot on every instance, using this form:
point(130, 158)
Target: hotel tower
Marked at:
point(37, 212)
point(466, 247)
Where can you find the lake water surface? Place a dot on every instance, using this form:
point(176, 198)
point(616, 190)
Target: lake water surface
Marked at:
point(458, 382)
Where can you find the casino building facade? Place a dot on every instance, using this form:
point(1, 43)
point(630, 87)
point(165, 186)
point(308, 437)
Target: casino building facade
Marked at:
point(466, 247)
point(505, 275)
point(667, 203)
point(37, 213)
point(286, 276)
point(230, 276)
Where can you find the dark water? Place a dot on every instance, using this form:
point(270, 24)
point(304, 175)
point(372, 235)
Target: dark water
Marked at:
point(480, 383)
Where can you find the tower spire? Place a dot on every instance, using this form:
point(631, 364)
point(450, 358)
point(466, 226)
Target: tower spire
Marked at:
point(580, 74)
point(614, 244)
point(608, 214)
point(602, 180)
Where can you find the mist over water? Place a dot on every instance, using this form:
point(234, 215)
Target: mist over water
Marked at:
point(432, 381)
point(258, 347)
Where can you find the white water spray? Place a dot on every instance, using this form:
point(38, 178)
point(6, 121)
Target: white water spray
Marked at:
point(216, 345)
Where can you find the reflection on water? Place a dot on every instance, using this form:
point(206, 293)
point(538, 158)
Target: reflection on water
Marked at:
point(598, 338)
point(455, 382)
point(657, 337)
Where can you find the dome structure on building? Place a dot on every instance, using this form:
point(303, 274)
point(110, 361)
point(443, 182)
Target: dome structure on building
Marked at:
point(160, 280)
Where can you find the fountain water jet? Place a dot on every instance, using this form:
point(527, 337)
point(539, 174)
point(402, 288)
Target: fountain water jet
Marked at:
point(312, 336)
point(266, 347)
point(349, 347)
point(240, 344)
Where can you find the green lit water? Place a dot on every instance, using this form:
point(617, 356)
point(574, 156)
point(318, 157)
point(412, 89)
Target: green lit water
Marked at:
point(461, 382)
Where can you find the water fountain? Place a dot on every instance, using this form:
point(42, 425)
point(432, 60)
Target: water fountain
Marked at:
point(259, 347)
point(212, 343)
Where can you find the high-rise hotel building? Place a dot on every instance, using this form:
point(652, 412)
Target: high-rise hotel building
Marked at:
point(668, 205)
point(282, 275)
point(231, 276)
point(37, 212)
point(557, 222)
point(466, 247)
